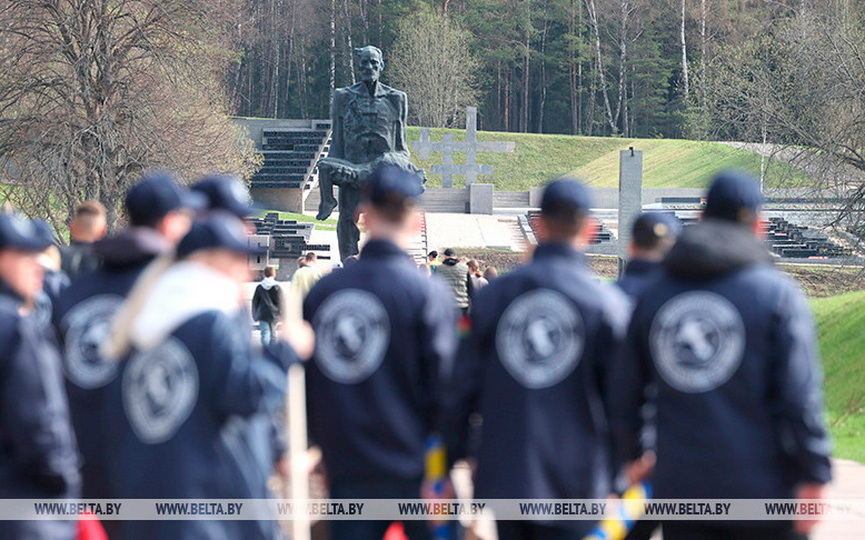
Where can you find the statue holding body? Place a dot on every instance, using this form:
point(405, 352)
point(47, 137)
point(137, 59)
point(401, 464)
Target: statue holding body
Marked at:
point(368, 124)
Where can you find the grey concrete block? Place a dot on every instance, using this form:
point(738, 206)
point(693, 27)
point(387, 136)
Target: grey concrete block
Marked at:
point(481, 198)
point(630, 197)
point(535, 195)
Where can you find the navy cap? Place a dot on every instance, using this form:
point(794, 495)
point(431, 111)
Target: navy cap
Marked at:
point(565, 195)
point(219, 230)
point(157, 195)
point(19, 233)
point(226, 192)
point(391, 184)
point(734, 195)
point(653, 226)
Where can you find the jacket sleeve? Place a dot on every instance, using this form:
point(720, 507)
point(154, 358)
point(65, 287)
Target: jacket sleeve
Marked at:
point(241, 381)
point(798, 403)
point(625, 392)
point(463, 396)
point(256, 303)
point(439, 342)
point(33, 408)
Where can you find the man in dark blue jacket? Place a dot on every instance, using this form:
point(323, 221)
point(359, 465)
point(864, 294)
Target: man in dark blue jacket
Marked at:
point(652, 236)
point(383, 334)
point(535, 366)
point(730, 344)
point(190, 417)
point(38, 457)
point(160, 212)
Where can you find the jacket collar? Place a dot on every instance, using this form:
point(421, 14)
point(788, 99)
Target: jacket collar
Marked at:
point(553, 250)
point(382, 249)
point(641, 267)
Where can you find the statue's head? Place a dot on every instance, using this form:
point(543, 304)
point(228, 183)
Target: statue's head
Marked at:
point(370, 62)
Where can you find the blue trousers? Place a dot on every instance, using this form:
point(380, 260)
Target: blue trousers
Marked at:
point(266, 328)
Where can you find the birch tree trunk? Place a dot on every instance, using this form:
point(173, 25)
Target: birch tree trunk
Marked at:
point(682, 42)
point(596, 34)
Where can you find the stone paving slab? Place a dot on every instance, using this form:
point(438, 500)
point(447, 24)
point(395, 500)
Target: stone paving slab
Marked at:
point(468, 230)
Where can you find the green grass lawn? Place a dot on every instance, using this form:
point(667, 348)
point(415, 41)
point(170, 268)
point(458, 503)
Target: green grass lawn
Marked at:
point(666, 162)
point(326, 225)
point(841, 326)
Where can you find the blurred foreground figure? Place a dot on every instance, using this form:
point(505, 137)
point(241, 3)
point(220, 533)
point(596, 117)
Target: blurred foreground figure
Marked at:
point(88, 226)
point(160, 212)
point(38, 457)
point(535, 367)
point(730, 345)
point(383, 334)
point(191, 417)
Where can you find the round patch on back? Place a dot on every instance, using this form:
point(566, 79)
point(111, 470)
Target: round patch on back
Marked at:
point(540, 338)
point(697, 340)
point(352, 333)
point(160, 388)
point(87, 326)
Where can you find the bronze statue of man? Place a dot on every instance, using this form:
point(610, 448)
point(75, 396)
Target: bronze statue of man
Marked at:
point(369, 120)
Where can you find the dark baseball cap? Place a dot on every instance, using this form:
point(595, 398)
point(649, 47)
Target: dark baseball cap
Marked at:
point(653, 226)
point(17, 232)
point(391, 184)
point(157, 195)
point(565, 195)
point(734, 196)
point(226, 192)
point(219, 230)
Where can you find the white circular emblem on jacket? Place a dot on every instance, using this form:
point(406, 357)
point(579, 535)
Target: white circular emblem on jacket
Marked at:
point(352, 334)
point(697, 340)
point(160, 388)
point(87, 326)
point(540, 338)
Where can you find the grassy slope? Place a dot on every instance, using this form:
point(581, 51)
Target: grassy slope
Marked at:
point(537, 158)
point(841, 320)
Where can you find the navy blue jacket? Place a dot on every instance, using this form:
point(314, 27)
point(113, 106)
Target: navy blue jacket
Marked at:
point(730, 344)
point(637, 273)
point(83, 316)
point(38, 457)
point(384, 332)
point(195, 424)
point(535, 367)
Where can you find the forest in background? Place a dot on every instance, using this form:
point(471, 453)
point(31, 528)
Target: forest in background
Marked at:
point(632, 68)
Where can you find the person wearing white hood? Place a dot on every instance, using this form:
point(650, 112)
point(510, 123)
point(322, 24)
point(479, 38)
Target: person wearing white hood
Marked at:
point(266, 305)
point(187, 412)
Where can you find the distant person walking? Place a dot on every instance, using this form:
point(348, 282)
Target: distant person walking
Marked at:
point(305, 277)
point(456, 275)
point(266, 305)
point(476, 276)
point(88, 225)
point(652, 236)
point(729, 344)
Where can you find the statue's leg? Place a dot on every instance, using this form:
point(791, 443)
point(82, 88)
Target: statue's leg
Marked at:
point(325, 188)
point(346, 227)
